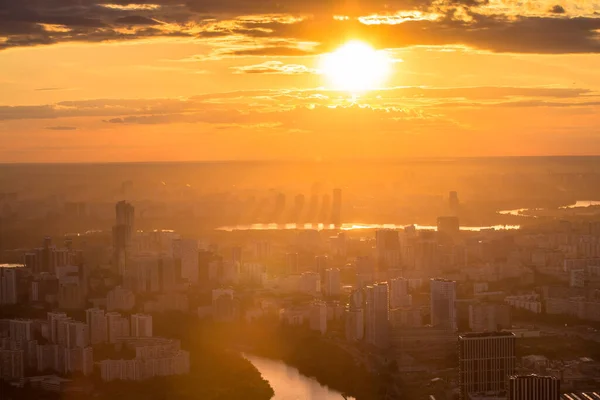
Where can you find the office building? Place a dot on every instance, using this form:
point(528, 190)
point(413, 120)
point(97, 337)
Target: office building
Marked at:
point(97, 325)
point(141, 325)
point(332, 283)
point(123, 232)
point(377, 315)
point(399, 295)
point(486, 361)
point(443, 308)
point(533, 387)
point(185, 253)
point(8, 284)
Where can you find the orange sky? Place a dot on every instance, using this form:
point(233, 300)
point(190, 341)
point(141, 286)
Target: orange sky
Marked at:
point(95, 80)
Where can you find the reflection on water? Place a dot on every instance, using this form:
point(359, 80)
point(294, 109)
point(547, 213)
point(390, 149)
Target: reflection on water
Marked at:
point(583, 203)
point(578, 204)
point(289, 384)
point(350, 227)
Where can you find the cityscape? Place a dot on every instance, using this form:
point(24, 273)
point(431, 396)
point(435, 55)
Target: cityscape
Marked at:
point(299, 200)
point(294, 300)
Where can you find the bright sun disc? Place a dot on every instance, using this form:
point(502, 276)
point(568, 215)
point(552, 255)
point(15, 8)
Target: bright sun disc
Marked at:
point(356, 67)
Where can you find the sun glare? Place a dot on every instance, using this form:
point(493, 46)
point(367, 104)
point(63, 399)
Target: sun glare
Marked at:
point(356, 67)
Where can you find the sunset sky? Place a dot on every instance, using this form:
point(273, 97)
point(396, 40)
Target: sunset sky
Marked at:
point(162, 80)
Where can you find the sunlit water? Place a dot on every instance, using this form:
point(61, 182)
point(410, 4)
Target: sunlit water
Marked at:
point(289, 384)
point(578, 204)
point(352, 226)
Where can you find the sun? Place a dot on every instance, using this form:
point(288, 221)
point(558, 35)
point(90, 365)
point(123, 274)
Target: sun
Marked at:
point(356, 67)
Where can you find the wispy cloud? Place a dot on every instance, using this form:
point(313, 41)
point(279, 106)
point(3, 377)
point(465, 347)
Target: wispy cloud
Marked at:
point(275, 67)
point(61, 128)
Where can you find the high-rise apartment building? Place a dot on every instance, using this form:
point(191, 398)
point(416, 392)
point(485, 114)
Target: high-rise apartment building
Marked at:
point(533, 387)
point(399, 295)
point(78, 335)
point(8, 284)
point(377, 315)
point(21, 330)
point(443, 308)
point(486, 361)
point(185, 253)
point(97, 325)
point(292, 263)
point(117, 326)
point(53, 322)
point(387, 243)
point(332, 283)
point(486, 317)
point(318, 316)
point(141, 325)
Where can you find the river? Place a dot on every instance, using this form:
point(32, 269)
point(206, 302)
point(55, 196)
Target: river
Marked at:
point(289, 384)
point(353, 226)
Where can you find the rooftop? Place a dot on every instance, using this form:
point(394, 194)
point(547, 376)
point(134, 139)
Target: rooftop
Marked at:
point(485, 335)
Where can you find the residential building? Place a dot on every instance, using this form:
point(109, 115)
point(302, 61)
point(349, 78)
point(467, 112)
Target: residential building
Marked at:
point(141, 325)
point(443, 309)
point(377, 315)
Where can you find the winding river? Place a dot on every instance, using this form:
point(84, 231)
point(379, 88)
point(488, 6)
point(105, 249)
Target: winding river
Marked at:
point(289, 384)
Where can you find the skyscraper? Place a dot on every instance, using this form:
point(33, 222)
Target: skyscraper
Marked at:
point(486, 360)
point(122, 233)
point(377, 315)
point(336, 208)
point(533, 387)
point(453, 202)
point(443, 309)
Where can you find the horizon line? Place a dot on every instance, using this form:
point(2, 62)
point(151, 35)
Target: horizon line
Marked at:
point(302, 161)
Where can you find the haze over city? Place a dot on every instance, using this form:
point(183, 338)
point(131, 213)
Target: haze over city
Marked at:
point(290, 200)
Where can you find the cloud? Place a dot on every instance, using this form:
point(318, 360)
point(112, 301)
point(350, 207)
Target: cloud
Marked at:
point(61, 128)
point(136, 20)
point(499, 26)
point(275, 67)
point(49, 89)
point(218, 108)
